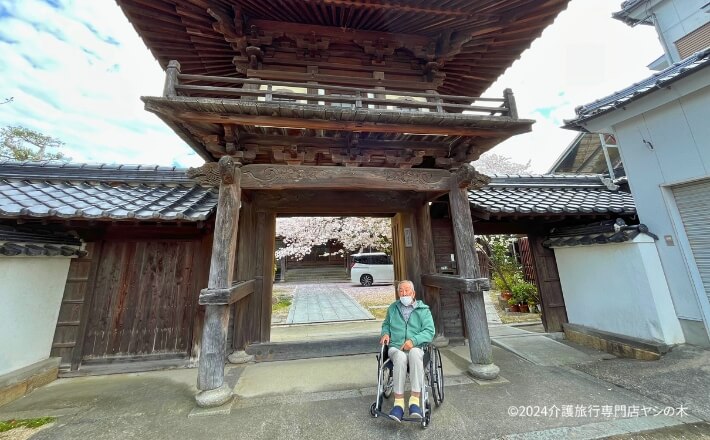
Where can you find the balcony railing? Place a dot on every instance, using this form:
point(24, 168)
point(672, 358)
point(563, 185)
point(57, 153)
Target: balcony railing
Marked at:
point(246, 89)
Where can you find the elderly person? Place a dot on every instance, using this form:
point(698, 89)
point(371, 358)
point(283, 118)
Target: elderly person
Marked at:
point(406, 329)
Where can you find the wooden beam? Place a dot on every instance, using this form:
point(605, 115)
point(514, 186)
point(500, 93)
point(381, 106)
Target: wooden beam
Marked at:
point(315, 202)
point(336, 33)
point(226, 296)
point(403, 7)
point(282, 177)
point(458, 283)
point(319, 124)
point(282, 75)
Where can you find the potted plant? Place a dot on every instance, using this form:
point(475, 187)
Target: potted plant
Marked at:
point(525, 293)
point(513, 305)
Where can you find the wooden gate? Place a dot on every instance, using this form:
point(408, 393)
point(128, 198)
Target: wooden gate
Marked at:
point(145, 298)
point(554, 313)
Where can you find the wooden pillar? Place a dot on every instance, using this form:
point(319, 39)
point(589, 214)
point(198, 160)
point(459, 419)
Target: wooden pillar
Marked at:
point(282, 261)
point(267, 244)
point(427, 264)
point(171, 78)
point(479, 341)
point(510, 103)
point(210, 373)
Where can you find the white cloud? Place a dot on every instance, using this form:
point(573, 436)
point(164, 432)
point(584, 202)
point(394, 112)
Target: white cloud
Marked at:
point(77, 72)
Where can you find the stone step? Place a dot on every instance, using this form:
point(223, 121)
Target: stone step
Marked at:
point(283, 351)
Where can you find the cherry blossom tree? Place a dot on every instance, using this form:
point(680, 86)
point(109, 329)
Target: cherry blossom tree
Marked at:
point(301, 234)
point(492, 163)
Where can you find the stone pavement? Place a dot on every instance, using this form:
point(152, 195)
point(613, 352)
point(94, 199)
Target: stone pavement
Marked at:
point(491, 313)
point(329, 398)
point(323, 304)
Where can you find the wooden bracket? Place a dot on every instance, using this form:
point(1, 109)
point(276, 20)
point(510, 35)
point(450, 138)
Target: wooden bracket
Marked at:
point(452, 282)
point(466, 176)
point(227, 296)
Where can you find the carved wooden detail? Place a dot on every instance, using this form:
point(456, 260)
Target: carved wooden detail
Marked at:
point(207, 174)
point(466, 176)
point(278, 177)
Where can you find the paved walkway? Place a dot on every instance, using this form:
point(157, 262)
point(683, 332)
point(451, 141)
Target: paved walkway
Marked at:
point(491, 313)
point(327, 303)
point(329, 398)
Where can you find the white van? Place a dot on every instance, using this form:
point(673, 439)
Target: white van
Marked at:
point(368, 269)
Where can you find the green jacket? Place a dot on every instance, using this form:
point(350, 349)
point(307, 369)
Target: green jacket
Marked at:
point(419, 328)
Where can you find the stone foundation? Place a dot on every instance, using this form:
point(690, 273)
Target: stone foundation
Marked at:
point(23, 381)
point(618, 345)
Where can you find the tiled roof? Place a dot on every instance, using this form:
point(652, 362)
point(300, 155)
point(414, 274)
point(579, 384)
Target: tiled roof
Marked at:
point(101, 192)
point(561, 194)
point(606, 232)
point(26, 241)
point(661, 79)
point(626, 8)
point(121, 192)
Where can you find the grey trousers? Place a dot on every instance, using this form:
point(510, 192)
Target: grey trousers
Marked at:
point(400, 359)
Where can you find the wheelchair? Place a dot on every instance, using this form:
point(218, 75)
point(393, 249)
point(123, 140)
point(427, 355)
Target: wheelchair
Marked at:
point(432, 388)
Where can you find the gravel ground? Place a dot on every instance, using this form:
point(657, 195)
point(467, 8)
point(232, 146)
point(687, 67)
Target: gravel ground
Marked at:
point(22, 433)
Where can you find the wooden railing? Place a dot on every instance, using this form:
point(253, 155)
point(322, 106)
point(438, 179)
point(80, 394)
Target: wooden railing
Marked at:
point(250, 89)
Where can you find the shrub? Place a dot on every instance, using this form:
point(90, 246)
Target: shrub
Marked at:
point(524, 292)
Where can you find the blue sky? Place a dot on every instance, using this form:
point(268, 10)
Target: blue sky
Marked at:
point(76, 70)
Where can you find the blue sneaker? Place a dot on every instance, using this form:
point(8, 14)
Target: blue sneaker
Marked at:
point(415, 411)
point(397, 414)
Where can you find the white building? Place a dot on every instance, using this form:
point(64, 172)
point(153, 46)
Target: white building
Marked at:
point(683, 26)
point(662, 128)
point(34, 263)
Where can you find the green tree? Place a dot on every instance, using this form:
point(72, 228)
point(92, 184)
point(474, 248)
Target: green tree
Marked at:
point(20, 143)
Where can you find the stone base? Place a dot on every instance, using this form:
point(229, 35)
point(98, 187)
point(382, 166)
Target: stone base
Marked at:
point(18, 383)
point(484, 371)
point(440, 341)
point(216, 397)
point(240, 357)
point(618, 345)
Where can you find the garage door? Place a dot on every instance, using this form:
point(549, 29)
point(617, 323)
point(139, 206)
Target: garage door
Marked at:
point(693, 202)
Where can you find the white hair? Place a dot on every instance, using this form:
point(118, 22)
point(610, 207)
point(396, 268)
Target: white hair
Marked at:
point(411, 284)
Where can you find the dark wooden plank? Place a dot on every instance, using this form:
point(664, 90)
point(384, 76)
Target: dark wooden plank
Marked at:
point(427, 263)
point(454, 282)
point(554, 312)
point(268, 243)
point(124, 300)
point(199, 280)
point(245, 269)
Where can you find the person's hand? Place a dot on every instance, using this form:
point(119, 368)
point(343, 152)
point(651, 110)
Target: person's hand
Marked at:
point(408, 345)
point(385, 339)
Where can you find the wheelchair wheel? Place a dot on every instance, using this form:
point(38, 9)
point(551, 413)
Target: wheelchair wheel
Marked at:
point(426, 420)
point(373, 410)
point(437, 374)
point(387, 383)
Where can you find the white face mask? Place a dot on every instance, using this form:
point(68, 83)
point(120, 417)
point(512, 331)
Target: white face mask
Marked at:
point(406, 300)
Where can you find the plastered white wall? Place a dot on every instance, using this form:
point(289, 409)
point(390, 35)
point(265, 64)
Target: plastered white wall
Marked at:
point(31, 292)
point(674, 121)
point(619, 288)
